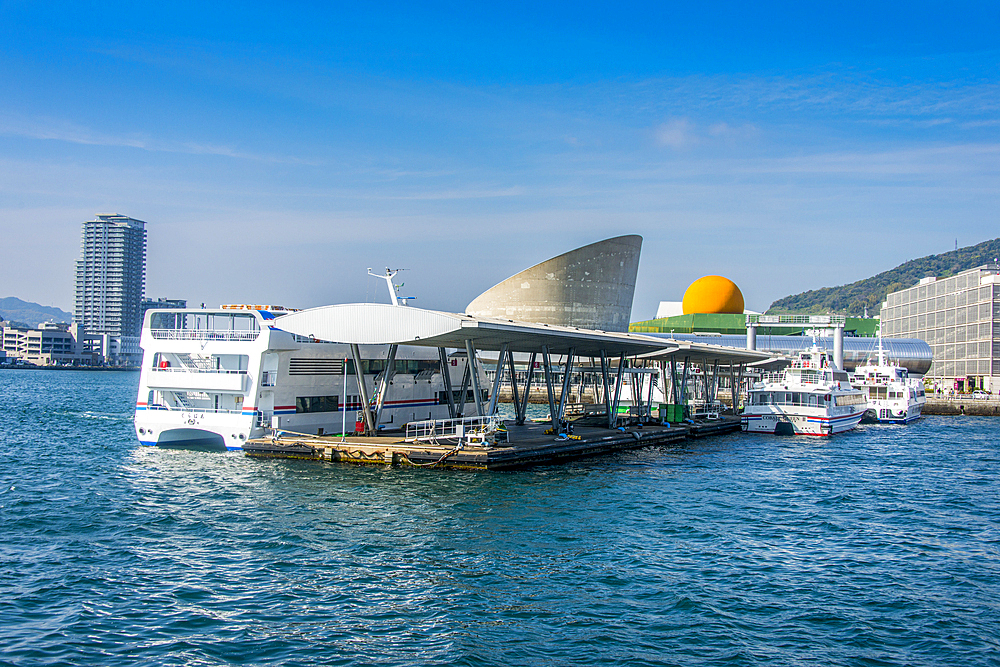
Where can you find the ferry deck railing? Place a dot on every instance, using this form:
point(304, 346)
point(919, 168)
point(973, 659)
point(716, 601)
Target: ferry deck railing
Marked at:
point(804, 378)
point(204, 334)
point(188, 408)
point(190, 369)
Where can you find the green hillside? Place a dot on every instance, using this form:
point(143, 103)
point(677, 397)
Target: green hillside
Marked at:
point(30, 314)
point(854, 298)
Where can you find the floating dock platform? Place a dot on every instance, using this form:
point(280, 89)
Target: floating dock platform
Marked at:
point(527, 445)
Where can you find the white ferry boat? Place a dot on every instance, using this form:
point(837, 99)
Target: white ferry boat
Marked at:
point(810, 397)
point(219, 377)
point(892, 396)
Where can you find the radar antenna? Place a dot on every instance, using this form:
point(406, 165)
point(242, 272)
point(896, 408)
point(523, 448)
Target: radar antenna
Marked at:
point(393, 289)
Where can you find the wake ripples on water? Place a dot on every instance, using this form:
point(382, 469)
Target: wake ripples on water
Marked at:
point(877, 547)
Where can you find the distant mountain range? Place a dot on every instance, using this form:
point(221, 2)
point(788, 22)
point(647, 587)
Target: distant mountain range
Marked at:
point(31, 314)
point(851, 300)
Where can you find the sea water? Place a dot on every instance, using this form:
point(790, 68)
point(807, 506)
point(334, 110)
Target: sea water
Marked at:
point(875, 547)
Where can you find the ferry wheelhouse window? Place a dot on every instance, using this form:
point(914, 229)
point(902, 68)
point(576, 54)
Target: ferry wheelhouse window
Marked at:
point(470, 396)
point(850, 399)
point(408, 366)
point(317, 404)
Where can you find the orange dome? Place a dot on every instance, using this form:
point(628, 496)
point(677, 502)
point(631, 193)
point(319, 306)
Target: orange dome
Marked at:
point(713, 294)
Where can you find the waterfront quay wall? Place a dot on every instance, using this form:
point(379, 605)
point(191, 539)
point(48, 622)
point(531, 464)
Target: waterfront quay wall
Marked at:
point(539, 394)
point(956, 405)
point(962, 405)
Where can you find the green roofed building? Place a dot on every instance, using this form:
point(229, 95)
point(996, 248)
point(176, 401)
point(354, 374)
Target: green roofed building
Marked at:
point(735, 324)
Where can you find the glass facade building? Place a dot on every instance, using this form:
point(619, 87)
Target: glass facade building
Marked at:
point(959, 317)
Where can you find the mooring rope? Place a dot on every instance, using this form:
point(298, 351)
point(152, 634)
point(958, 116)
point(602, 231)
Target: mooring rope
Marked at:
point(457, 448)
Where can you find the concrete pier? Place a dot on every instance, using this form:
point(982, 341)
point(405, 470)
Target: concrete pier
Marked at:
point(528, 445)
point(962, 405)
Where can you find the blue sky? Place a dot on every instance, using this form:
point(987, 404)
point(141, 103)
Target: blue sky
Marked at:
point(277, 151)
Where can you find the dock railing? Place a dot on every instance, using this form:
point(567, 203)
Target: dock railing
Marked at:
point(816, 320)
point(467, 429)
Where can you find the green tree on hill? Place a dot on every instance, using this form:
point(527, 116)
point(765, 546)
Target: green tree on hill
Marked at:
point(851, 300)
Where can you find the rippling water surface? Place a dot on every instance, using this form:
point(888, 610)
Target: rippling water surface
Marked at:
point(878, 547)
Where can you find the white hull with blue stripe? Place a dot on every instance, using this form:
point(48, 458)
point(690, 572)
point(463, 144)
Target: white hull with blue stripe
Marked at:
point(893, 396)
point(811, 397)
point(217, 378)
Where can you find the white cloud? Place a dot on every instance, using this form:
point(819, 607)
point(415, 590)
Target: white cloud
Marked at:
point(53, 129)
point(678, 134)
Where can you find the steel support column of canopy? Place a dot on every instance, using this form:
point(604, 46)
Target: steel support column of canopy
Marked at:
point(634, 386)
point(607, 388)
point(674, 384)
point(464, 391)
point(513, 384)
point(597, 385)
point(567, 374)
point(618, 388)
point(715, 382)
point(362, 389)
point(547, 365)
point(446, 378)
point(733, 391)
point(497, 377)
point(522, 415)
point(649, 398)
point(390, 370)
point(661, 381)
point(739, 381)
point(474, 372)
point(684, 381)
point(838, 347)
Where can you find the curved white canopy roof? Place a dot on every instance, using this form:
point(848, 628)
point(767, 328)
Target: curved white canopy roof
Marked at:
point(376, 323)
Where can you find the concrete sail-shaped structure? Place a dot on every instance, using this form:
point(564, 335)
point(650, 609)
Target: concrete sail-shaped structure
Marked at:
point(590, 287)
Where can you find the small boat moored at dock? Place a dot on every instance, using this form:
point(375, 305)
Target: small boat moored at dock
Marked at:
point(892, 396)
point(810, 397)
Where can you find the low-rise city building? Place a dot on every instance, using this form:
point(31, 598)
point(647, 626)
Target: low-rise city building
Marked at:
point(50, 344)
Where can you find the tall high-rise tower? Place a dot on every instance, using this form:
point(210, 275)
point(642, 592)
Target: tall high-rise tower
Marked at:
point(110, 280)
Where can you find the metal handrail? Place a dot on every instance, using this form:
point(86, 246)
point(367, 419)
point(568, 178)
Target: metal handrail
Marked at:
point(430, 429)
point(804, 378)
point(203, 334)
point(186, 369)
point(167, 408)
point(797, 319)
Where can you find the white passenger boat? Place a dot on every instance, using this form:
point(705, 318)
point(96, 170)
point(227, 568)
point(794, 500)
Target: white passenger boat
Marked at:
point(220, 377)
point(892, 396)
point(810, 397)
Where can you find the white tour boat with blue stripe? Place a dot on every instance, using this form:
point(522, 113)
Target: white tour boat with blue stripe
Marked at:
point(893, 396)
point(220, 377)
point(810, 397)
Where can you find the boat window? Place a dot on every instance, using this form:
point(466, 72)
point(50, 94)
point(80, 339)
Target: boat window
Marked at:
point(470, 396)
point(317, 404)
point(849, 399)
